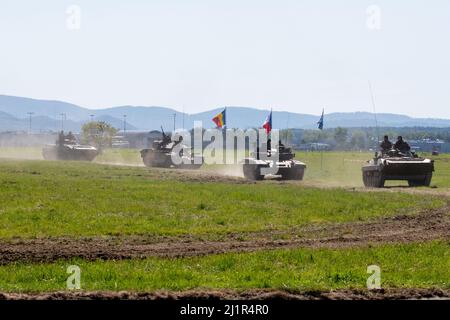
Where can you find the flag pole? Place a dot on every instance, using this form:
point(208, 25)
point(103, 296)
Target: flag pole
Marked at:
point(321, 149)
point(321, 160)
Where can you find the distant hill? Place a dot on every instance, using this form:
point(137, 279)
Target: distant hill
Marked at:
point(39, 123)
point(367, 119)
point(18, 107)
point(47, 116)
point(8, 122)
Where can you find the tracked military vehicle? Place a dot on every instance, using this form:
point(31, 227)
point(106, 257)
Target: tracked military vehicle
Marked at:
point(162, 152)
point(397, 165)
point(67, 148)
point(281, 161)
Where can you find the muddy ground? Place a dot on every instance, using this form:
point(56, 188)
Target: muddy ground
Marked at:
point(255, 294)
point(425, 226)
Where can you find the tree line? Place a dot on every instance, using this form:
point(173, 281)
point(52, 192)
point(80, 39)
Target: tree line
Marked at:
point(361, 138)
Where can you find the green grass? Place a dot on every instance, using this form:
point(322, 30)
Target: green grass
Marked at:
point(335, 168)
point(120, 156)
point(39, 198)
point(329, 168)
point(412, 265)
point(441, 177)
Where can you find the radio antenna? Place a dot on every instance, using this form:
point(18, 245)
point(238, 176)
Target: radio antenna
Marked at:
point(374, 111)
point(287, 128)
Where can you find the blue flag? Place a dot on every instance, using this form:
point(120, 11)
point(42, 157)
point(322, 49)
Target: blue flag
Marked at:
point(320, 123)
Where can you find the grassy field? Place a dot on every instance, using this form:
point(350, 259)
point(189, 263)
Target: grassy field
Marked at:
point(113, 156)
point(32, 153)
point(121, 156)
point(329, 168)
point(402, 266)
point(39, 198)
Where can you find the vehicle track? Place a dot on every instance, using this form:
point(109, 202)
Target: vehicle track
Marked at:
point(425, 226)
point(253, 294)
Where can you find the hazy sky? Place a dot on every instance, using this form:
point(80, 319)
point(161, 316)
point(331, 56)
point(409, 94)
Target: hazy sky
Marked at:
point(290, 55)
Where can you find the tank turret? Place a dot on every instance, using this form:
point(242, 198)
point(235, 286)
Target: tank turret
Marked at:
point(282, 160)
point(162, 152)
point(67, 148)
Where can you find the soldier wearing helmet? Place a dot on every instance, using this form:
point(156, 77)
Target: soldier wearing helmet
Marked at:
point(401, 145)
point(386, 145)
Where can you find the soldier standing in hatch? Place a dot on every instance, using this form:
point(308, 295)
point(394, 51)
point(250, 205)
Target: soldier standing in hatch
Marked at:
point(269, 146)
point(281, 146)
point(386, 145)
point(402, 145)
point(71, 137)
point(61, 138)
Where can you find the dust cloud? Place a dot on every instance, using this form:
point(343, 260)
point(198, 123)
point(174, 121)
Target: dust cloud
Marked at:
point(23, 146)
point(232, 170)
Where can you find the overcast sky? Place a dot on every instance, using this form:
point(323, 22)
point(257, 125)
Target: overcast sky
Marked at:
point(194, 55)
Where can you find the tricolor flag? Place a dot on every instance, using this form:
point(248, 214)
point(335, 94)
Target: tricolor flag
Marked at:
point(221, 120)
point(268, 123)
point(320, 123)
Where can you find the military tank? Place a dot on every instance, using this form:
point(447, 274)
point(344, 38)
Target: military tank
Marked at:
point(397, 165)
point(280, 160)
point(162, 152)
point(67, 148)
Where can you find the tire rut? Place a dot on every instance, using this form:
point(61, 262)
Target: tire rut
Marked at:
point(253, 294)
point(425, 226)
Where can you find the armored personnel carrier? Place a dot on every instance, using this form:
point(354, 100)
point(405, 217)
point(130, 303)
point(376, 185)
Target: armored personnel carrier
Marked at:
point(281, 161)
point(67, 148)
point(162, 152)
point(397, 165)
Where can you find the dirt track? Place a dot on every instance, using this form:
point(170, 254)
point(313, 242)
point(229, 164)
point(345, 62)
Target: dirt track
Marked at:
point(428, 225)
point(392, 294)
